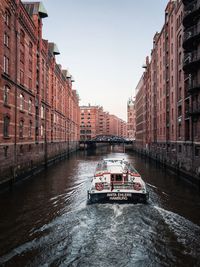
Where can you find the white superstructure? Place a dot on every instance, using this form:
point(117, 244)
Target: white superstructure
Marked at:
point(116, 180)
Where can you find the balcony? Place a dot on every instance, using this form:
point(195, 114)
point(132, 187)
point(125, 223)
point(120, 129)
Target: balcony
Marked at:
point(193, 86)
point(191, 62)
point(195, 110)
point(190, 11)
point(191, 36)
point(186, 2)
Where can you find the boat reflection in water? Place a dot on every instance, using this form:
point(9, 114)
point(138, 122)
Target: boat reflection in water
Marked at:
point(116, 180)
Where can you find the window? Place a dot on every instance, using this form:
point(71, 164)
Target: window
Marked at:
point(7, 18)
point(118, 177)
point(6, 123)
point(179, 41)
point(197, 151)
point(21, 128)
point(21, 149)
point(42, 130)
point(6, 39)
point(22, 38)
point(22, 56)
point(21, 102)
point(42, 112)
point(30, 129)
point(29, 106)
point(5, 151)
point(179, 58)
point(172, 64)
point(179, 75)
point(179, 148)
point(195, 128)
point(29, 83)
point(179, 130)
point(30, 49)
point(30, 65)
point(6, 95)
point(29, 148)
point(21, 77)
point(6, 65)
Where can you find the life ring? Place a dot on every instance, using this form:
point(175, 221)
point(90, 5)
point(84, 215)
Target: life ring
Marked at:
point(137, 186)
point(99, 186)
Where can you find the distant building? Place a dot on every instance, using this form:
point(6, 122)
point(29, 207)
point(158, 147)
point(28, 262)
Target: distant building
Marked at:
point(89, 122)
point(94, 122)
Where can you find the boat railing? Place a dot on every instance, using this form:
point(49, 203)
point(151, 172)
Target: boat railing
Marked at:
point(121, 185)
point(116, 185)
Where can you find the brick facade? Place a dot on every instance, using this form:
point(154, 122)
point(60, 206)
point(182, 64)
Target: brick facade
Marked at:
point(167, 115)
point(39, 112)
point(94, 121)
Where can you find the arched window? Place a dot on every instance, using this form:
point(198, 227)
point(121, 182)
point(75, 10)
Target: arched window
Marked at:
point(21, 102)
point(7, 18)
point(6, 94)
point(42, 130)
point(180, 41)
point(29, 105)
point(42, 112)
point(30, 129)
point(6, 64)
point(22, 38)
point(6, 123)
point(21, 128)
point(30, 49)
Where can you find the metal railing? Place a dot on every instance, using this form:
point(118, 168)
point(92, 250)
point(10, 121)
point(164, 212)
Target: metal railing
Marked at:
point(193, 84)
point(116, 185)
point(195, 109)
point(191, 8)
point(191, 32)
point(191, 57)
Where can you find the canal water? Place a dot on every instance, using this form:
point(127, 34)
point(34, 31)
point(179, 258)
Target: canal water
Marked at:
point(45, 220)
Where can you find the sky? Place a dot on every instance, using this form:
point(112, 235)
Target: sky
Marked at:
point(104, 43)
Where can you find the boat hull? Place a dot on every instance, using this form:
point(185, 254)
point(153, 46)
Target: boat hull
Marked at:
point(117, 197)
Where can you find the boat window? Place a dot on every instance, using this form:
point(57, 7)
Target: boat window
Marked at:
point(118, 177)
point(112, 177)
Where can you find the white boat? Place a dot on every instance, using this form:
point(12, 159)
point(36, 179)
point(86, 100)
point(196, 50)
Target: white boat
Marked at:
point(116, 180)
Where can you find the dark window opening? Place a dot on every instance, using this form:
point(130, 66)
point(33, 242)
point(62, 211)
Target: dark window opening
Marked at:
point(6, 126)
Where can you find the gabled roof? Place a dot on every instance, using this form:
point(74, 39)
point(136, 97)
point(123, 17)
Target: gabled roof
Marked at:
point(35, 8)
point(54, 49)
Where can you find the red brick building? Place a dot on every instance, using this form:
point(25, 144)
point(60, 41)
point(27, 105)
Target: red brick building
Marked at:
point(89, 122)
point(39, 112)
point(94, 121)
point(167, 121)
point(191, 67)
